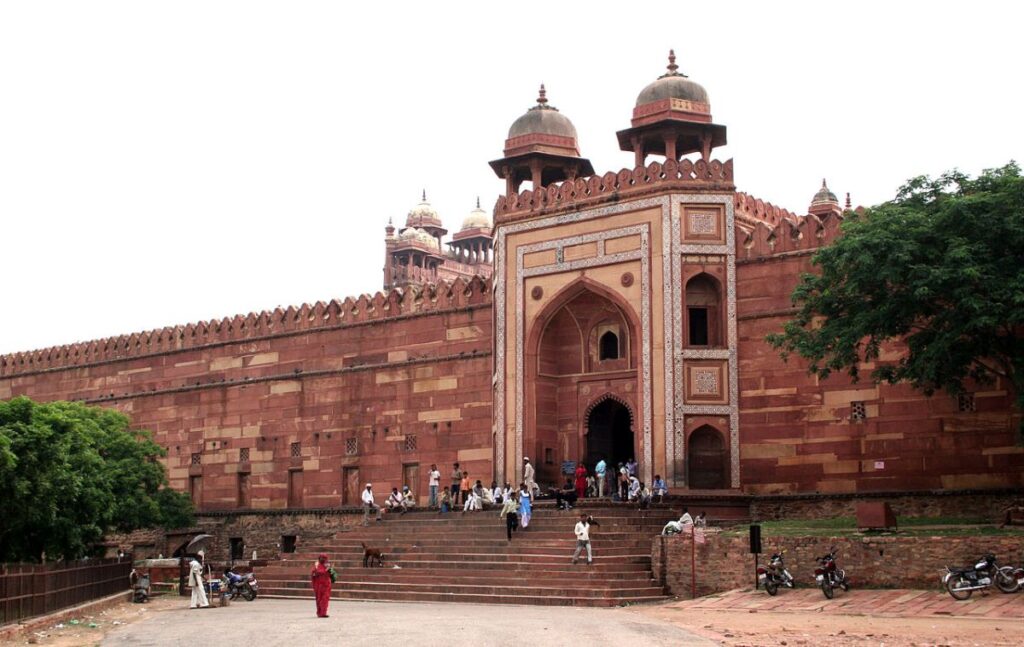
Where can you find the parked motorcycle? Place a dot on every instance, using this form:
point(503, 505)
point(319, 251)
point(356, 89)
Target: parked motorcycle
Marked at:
point(240, 585)
point(828, 575)
point(774, 575)
point(1018, 576)
point(962, 582)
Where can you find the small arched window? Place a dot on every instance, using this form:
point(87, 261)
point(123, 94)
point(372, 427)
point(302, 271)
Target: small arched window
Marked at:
point(609, 346)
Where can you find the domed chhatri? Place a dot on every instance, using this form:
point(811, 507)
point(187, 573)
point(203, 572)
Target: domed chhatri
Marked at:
point(477, 219)
point(541, 148)
point(543, 119)
point(423, 215)
point(824, 202)
point(675, 85)
point(824, 195)
point(672, 117)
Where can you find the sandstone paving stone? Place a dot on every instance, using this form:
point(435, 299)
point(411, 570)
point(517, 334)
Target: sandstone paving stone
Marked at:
point(288, 623)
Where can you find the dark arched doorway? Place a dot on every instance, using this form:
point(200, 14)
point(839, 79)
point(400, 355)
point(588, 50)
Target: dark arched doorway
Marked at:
point(609, 434)
point(707, 459)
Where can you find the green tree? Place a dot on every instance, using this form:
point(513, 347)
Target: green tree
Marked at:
point(941, 268)
point(70, 473)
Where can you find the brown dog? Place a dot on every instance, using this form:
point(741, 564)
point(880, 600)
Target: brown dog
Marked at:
point(372, 556)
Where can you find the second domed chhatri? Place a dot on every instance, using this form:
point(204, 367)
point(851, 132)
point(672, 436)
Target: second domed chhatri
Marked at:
point(477, 219)
point(423, 215)
point(672, 117)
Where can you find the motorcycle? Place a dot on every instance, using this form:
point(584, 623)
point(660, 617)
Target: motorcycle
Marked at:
point(962, 582)
point(235, 585)
point(774, 575)
point(828, 575)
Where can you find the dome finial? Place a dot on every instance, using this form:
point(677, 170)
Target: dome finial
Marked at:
point(823, 185)
point(478, 201)
point(672, 67)
point(424, 195)
point(849, 205)
point(542, 98)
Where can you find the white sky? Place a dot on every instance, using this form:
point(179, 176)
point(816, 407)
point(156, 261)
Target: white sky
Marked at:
point(162, 163)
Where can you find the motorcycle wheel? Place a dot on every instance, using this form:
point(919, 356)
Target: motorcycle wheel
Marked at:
point(771, 587)
point(955, 582)
point(249, 594)
point(846, 587)
point(826, 588)
point(1005, 580)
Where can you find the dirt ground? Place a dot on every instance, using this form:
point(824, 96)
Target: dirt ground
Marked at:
point(77, 632)
point(824, 625)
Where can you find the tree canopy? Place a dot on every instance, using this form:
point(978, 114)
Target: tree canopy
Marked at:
point(69, 473)
point(941, 268)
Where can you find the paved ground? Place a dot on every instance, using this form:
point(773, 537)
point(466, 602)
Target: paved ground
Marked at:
point(893, 618)
point(267, 623)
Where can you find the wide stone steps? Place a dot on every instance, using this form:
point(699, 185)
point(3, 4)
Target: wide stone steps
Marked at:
point(467, 558)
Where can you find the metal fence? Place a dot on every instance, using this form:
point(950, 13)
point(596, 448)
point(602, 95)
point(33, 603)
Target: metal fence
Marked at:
point(28, 590)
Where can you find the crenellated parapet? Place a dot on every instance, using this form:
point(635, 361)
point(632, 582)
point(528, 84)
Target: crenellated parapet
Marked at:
point(764, 229)
point(418, 299)
point(656, 176)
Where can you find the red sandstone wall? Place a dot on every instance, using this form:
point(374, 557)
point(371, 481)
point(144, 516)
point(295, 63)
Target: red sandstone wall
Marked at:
point(724, 562)
point(407, 375)
point(796, 434)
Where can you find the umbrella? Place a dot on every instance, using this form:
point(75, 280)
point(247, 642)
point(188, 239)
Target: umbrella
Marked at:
point(197, 542)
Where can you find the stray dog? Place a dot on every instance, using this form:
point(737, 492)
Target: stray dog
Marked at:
point(372, 556)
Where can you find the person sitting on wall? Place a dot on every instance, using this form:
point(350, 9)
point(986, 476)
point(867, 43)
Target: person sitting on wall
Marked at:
point(660, 488)
point(634, 488)
point(644, 497)
point(565, 497)
point(394, 501)
point(408, 500)
point(676, 527)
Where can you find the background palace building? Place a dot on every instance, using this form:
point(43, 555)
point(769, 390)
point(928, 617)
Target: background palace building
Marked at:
point(620, 314)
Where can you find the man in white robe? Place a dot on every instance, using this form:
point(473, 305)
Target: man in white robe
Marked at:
point(195, 580)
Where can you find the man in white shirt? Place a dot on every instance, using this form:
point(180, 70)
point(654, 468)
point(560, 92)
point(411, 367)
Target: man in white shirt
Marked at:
point(676, 527)
point(528, 473)
point(369, 505)
point(195, 581)
point(435, 481)
point(583, 540)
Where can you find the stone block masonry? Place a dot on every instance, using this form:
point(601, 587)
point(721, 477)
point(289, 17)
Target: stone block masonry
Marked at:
point(724, 561)
point(298, 408)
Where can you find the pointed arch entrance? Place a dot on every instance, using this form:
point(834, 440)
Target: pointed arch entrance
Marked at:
point(708, 459)
point(609, 433)
point(583, 343)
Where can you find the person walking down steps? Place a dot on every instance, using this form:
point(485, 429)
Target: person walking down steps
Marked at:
point(525, 506)
point(583, 540)
point(509, 511)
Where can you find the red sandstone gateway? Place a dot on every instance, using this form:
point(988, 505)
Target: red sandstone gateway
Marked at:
point(617, 315)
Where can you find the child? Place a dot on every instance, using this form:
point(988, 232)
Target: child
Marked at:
point(508, 511)
point(446, 501)
point(660, 489)
point(465, 487)
point(525, 508)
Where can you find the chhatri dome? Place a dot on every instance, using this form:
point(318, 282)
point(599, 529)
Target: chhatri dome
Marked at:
point(673, 85)
point(672, 117)
point(541, 148)
point(423, 215)
point(543, 119)
point(415, 235)
point(824, 196)
point(477, 219)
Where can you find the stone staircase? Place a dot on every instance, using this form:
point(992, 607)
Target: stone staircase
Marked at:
point(466, 558)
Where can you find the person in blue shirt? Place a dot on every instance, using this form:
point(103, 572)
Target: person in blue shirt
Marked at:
point(600, 470)
point(660, 489)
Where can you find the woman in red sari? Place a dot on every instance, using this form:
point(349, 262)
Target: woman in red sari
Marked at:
point(581, 480)
point(321, 585)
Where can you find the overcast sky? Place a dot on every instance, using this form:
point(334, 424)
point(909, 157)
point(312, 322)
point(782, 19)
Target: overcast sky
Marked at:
point(163, 163)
